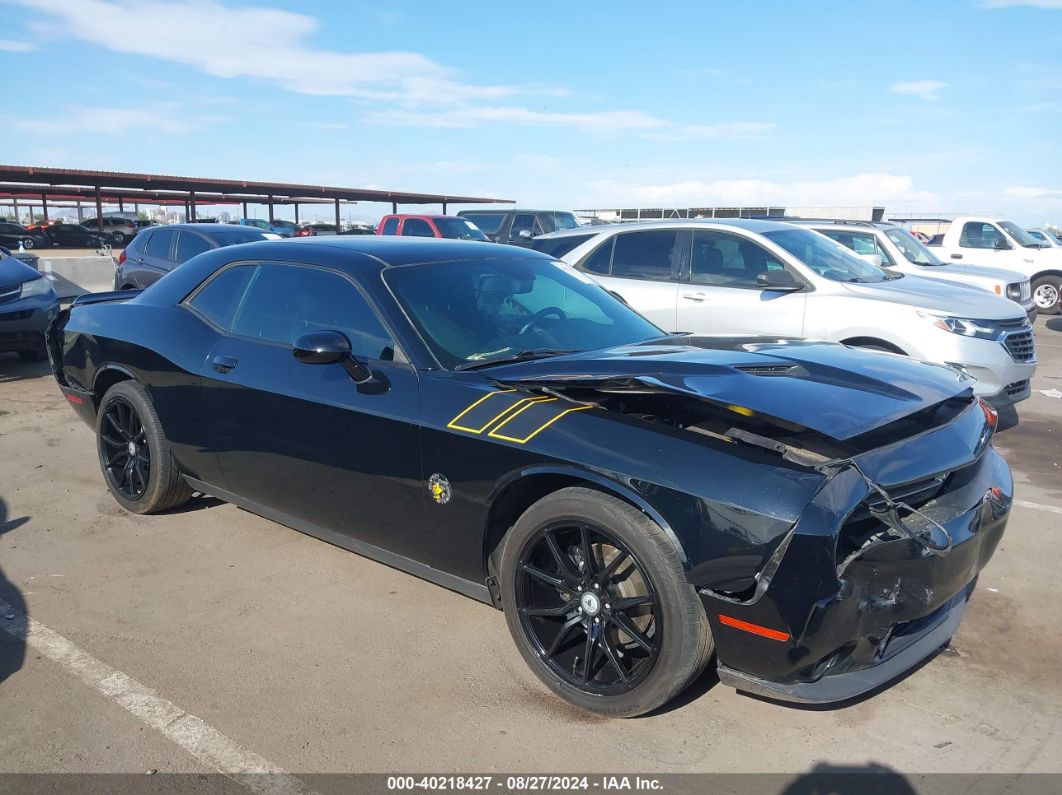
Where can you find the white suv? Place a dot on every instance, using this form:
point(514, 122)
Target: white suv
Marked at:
point(762, 277)
point(896, 248)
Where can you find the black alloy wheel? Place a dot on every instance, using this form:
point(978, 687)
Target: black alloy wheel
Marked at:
point(588, 607)
point(127, 456)
point(598, 603)
point(136, 457)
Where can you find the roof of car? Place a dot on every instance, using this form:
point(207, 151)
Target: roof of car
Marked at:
point(388, 249)
point(751, 225)
point(433, 216)
point(208, 227)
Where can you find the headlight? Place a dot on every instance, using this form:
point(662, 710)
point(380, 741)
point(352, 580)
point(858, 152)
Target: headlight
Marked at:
point(1014, 291)
point(41, 286)
point(981, 329)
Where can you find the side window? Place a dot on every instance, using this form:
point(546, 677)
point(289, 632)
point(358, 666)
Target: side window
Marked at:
point(645, 255)
point(601, 260)
point(416, 227)
point(286, 301)
point(522, 222)
point(219, 299)
point(160, 244)
point(390, 226)
point(190, 244)
point(979, 235)
point(726, 260)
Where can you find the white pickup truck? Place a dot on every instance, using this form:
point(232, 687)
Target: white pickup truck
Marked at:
point(974, 240)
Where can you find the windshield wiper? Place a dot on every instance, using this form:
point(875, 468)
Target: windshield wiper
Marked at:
point(519, 356)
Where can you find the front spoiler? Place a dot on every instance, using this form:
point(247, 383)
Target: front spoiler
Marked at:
point(840, 687)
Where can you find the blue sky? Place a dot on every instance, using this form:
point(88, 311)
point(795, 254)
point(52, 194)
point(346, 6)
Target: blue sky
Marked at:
point(942, 106)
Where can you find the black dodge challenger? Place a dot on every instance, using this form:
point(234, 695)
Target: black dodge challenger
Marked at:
point(811, 515)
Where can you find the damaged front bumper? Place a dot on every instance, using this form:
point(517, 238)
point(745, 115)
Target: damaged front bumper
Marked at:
point(849, 602)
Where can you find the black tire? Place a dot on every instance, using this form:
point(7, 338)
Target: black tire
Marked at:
point(1043, 289)
point(34, 354)
point(153, 481)
point(675, 623)
point(27, 243)
point(118, 238)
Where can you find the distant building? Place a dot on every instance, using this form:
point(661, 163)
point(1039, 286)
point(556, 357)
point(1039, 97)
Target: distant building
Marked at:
point(665, 213)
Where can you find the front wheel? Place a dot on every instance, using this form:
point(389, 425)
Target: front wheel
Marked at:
point(1047, 291)
point(27, 243)
point(599, 606)
point(134, 453)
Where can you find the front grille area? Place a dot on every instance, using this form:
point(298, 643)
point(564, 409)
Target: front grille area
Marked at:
point(1020, 346)
point(1016, 388)
point(23, 315)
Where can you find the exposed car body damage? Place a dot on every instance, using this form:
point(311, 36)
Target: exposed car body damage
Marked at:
point(829, 506)
point(911, 504)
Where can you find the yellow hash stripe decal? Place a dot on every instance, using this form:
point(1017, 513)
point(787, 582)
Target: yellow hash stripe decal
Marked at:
point(453, 423)
point(495, 435)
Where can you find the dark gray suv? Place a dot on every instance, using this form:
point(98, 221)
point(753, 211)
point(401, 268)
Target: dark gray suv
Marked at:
point(158, 250)
point(519, 227)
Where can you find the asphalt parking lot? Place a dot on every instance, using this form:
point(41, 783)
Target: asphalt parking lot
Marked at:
point(312, 659)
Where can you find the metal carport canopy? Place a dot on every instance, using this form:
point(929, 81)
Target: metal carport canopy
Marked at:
point(42, 182)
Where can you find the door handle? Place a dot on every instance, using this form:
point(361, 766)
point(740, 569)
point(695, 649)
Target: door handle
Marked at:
point(694, 296)
point(956, 256)
point(224, 363)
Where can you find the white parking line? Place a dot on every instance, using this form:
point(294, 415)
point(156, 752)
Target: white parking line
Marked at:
point(202, 741)
point(1037, 506)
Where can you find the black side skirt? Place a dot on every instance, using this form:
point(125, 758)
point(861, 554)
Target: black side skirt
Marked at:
point(477, 591)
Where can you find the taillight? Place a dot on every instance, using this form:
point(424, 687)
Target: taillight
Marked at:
point(121, 257)
point(991, 415)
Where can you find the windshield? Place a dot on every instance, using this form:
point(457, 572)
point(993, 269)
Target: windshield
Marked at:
point(826, 257)
point(459, 229)
point(478, 311)
point(1022, 237)
point(913, 249)
point(486, 222)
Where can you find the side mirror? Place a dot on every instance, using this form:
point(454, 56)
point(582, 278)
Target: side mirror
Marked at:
point(524, 234)
point(1001, 243)
point(873, 259)
point(779, 281)
point(329, 347)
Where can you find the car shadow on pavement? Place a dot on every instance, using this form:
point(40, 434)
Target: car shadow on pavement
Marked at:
point(1055, 323)
point(199, 502)
point(14, 369)
point(12, 649)
point(872, 778)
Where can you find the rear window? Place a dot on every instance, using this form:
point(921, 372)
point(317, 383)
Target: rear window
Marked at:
point(559, 246)
point(487, 222)
point(237, 236)
point(159, 244)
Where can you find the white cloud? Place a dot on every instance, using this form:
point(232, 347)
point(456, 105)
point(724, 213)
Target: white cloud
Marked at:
point(923, 89)
point(1015, 3)
point(1031, 193)
point(600, 123)
point(858, 190)
point(167, 117)
point(263, 43)
point(14, 45)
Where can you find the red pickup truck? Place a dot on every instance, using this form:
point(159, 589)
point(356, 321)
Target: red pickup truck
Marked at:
point(450, 226)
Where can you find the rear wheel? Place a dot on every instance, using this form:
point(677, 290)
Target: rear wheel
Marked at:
point(27, 243)
point(1046, 293)
point(134, 453)
point(599, 606)
point(118, 237)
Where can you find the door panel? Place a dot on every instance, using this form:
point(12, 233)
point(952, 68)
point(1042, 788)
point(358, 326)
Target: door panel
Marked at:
point(306, 440)
point(643, 270)
point(719, 294)
point(302, 438)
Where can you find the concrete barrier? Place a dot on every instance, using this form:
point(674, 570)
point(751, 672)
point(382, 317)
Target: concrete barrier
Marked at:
point(74, 276)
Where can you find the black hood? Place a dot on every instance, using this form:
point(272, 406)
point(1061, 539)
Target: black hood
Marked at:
point(14, 272)
point(834, 390)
